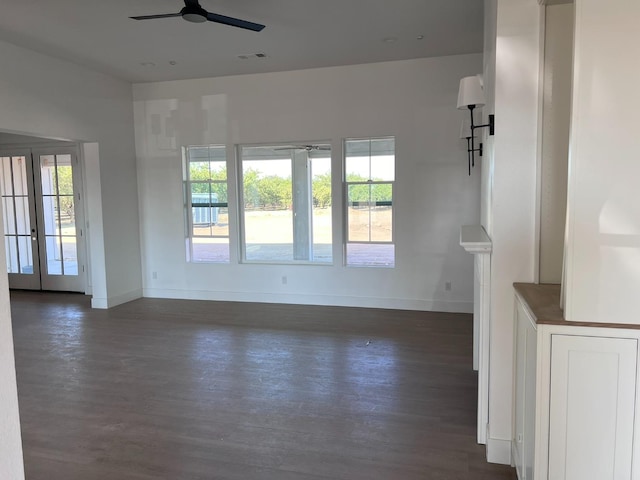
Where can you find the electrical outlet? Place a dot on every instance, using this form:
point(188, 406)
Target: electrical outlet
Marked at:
point(284, 279)
point(154, 275)
point(447, 286)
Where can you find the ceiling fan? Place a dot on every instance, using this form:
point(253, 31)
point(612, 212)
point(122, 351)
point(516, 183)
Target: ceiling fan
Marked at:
point(193, 12)
point(308, 148)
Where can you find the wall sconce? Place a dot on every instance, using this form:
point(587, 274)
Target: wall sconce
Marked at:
point(466, 134)
point(471, 96)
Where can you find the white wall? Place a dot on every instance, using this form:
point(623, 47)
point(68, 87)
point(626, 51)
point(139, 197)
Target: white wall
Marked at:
point(603, 237)
point(512, 80)
point(11, 465)
point(412, 100)
point(558, 60)
point(46, 97)
point(25, 140)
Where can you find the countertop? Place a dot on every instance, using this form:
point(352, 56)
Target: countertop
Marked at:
point(543, 301)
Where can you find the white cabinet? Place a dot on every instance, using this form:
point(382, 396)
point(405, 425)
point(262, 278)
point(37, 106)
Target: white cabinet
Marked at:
point(576, 400)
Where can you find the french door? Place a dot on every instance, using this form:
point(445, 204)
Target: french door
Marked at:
point(42, 219)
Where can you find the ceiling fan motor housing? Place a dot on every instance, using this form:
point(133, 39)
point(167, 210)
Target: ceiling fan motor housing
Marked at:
point(194, 14)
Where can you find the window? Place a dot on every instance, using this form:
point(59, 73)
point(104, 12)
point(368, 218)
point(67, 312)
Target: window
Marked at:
point(369, 177)
point(286, 203)
point(206, 204)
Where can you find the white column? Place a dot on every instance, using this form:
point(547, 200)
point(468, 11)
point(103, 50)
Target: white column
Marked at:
point(474, 239)
point(512, 86)
point(602, 250)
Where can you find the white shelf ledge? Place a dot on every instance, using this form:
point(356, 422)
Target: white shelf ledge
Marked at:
point(474, 239)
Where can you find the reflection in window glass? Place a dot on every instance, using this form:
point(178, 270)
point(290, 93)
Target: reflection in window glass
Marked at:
point(286, 208)
point(369, 176)
point(206, 203)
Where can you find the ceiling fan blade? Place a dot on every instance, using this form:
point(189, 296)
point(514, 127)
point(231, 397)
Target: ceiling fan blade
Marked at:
point(151, 17)
point(234, 22)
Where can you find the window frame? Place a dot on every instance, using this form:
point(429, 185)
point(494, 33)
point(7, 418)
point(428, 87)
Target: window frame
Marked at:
point(187, 183)
point(242, 244)
point(369, 182)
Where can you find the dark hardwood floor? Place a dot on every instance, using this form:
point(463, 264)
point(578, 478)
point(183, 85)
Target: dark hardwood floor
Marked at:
point(172, 389)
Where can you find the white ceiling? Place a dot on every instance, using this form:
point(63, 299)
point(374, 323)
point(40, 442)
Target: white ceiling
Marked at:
point(299, 34)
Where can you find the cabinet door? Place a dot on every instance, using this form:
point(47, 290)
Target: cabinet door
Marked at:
point(525, 393)
point(519, 395)
point(591, 414)
point(531, 349)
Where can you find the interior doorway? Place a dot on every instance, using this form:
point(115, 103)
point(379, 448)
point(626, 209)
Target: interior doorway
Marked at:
point(43, 218)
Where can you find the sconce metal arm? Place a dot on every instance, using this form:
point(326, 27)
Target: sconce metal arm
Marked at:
point(471, 149)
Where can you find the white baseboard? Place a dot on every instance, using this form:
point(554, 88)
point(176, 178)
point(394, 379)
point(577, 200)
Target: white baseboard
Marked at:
point(305, 299)
point(103, 303)
point(498, 450)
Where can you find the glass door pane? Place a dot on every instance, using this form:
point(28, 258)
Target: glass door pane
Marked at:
point(58, 211)
point(18, 220)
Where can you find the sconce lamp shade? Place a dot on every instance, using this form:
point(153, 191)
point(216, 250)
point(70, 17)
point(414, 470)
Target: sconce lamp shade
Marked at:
point(470, 93)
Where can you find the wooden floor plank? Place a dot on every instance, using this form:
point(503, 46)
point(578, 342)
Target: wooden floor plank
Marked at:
point(174, 389)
